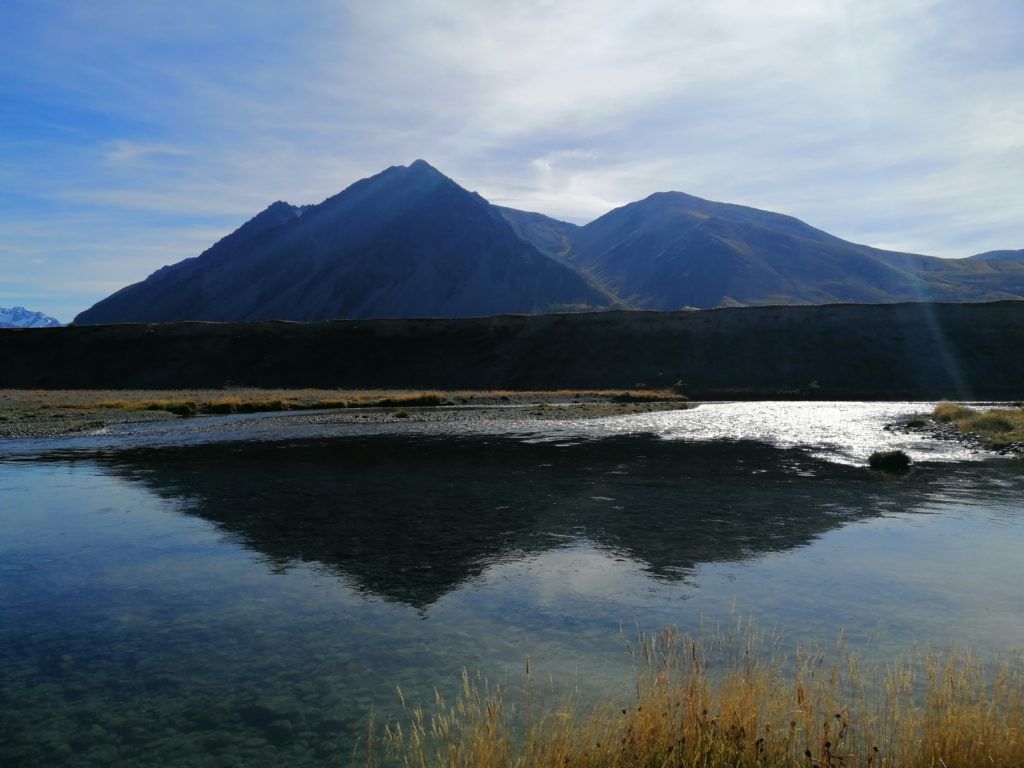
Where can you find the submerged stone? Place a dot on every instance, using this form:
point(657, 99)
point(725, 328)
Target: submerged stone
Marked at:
point(259, 715)
point(279, 732)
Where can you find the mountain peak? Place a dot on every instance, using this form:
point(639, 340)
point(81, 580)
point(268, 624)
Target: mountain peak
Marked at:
point(407, 242)
point(19, 317)
point(422, 169)
point(410, 241)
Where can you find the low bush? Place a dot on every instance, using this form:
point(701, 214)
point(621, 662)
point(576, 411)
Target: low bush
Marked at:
point(417, 399)
point(889, 461)
point(650, 396)
point(178, 408)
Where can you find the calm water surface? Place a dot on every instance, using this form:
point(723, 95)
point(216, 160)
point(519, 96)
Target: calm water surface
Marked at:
point(177, 597)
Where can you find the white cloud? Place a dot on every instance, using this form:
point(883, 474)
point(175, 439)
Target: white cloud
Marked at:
point(882, 122)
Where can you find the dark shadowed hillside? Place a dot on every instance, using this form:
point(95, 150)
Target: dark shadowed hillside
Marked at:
point(673, 250)
point(851, 351)
point(408, 242)
point(1001, 255)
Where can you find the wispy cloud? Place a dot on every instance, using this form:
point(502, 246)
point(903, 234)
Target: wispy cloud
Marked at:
point(134, 129)
point(125, 152)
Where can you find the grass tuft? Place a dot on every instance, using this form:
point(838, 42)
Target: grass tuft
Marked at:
point(947, 412)
point(997, 426)
point(990, 422)
point(723, 705)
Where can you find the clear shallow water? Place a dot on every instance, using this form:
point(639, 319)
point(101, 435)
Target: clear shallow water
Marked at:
point(249, 604)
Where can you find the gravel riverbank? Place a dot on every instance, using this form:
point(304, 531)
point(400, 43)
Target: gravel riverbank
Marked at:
point(43, 414)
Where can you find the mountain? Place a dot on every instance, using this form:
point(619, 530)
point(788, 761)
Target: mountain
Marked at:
point(407, 242)
point(550, 236)
point(1001, 255)
point(19, 317)
point(410, 242)
point(673, 250)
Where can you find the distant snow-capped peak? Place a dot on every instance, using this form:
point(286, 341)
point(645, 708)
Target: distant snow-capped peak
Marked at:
point(19, 317)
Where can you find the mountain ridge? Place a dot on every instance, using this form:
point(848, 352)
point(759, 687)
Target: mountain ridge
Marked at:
point(409, 241)
point(404, 242)
point(1003, 255)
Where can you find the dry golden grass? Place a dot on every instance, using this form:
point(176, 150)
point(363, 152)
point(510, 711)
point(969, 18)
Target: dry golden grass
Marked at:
point(998, 426)
point(947, 412)
point(717, 704)
point(241, 400)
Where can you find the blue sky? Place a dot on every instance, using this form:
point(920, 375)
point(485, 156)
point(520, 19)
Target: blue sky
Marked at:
point(134, 134)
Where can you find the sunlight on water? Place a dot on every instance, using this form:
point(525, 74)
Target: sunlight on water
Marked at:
point(836, 431)
point(842, 432)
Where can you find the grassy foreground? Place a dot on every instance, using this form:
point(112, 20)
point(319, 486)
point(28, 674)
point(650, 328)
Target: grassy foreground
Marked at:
point(996, 426)
point(711, 704)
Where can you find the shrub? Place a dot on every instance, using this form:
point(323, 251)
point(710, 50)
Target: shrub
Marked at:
point(223, 406)
point(178, 408)
point(655, 396)
point(426, 399)
point(330, 404)
point(889, 461)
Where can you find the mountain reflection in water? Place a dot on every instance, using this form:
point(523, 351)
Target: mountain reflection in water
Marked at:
point(411, 519)
point(251, 603)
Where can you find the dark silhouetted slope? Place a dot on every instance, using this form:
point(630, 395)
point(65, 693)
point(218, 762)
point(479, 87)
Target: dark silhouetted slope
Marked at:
point(673, 250)
point(410, 242)
point(407, 242)
point(858, 351)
